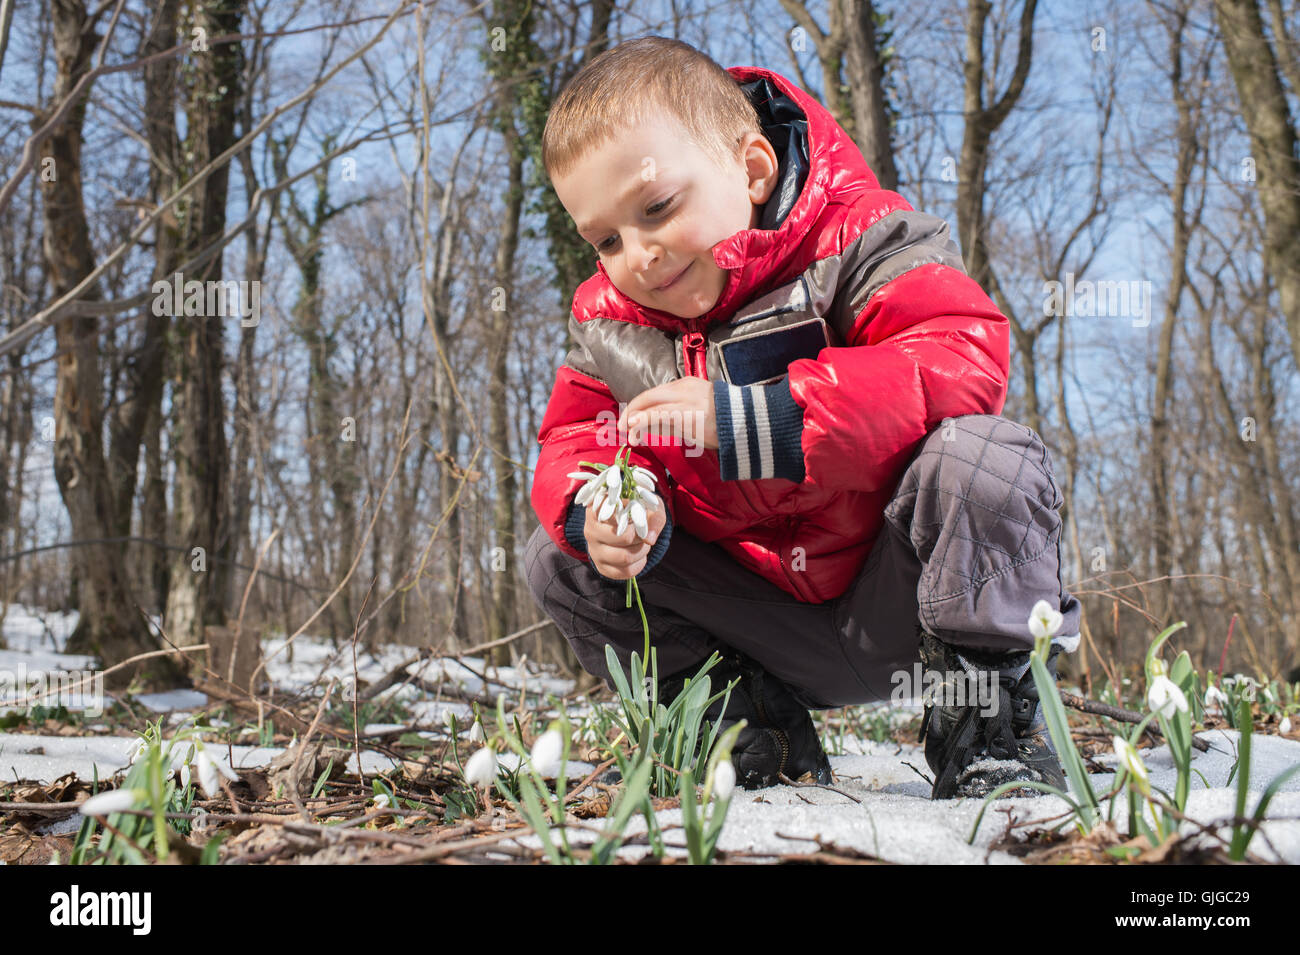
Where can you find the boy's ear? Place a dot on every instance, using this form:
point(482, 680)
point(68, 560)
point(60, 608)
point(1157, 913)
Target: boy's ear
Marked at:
point(761, 165)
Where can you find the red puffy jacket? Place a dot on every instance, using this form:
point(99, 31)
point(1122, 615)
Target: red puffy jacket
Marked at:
point(901, 338)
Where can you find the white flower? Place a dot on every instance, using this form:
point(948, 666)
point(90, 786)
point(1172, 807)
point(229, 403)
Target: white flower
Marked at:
point(1044, 621)
point(624, 512)
point(381, 801)
point(476, 734)
point(546, 753)
point(1164, 697)
point(115, 800)
point(481, 768)
point(136, 750)
point(209, 770)
point(1246, 685)
point(614, 479)
point(608, 507)
point(1215, 700)
point(649, 499)
point(640, 520)
point(1285, 726)
point(594, 482)
point(643, 478)
point(1130, 760)
point(724, 780)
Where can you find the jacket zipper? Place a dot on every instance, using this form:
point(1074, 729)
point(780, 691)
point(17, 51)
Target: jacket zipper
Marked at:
point(780, 550)
point(693, 345)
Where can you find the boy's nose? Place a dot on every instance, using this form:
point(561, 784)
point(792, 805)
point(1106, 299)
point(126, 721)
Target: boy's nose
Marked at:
point(641, 257)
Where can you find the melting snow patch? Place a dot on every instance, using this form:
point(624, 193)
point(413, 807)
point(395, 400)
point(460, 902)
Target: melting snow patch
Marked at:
point(170, 700)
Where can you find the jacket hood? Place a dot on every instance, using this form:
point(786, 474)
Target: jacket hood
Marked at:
point(818, 162)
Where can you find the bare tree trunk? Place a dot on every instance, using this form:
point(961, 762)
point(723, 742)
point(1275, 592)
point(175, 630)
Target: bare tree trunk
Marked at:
point(331, 455)
point(981, 122)
point(854, 49)
point(109, 626)
point(197, 587)
point(501, 618)
point(450, 473)
point(1267, 116)
point(245, 375)
point(435, 288)
point(570, 256)
point(1185, 138)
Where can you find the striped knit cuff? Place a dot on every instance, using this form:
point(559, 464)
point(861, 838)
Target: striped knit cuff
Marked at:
point(760, 431)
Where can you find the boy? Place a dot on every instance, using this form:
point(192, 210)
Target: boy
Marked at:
point(838, 487)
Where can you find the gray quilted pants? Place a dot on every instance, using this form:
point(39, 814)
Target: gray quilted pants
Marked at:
point(971, 541)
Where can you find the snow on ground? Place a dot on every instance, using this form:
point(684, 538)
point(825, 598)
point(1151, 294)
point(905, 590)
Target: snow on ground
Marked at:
point(894, 819)
point(36, 641)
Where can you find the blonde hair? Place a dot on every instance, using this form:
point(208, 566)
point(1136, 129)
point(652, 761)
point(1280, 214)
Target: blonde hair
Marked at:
point(629, 83)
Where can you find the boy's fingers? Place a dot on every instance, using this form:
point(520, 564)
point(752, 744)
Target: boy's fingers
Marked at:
point(659, 394)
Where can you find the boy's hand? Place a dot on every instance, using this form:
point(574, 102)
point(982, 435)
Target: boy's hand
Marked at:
point(686, 403)
point(620, 556)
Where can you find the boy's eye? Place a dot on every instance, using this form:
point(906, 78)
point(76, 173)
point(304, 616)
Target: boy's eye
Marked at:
point(653, 210)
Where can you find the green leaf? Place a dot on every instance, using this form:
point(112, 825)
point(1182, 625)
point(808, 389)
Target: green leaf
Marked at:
point(211, 848)
point(536, 816)
point(323, 778)
point(1241, 834)
point(1059, 728)
point(1158, 643)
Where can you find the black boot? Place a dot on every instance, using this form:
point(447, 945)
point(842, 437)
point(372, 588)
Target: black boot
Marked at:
point(971, 750)
point(779, 736)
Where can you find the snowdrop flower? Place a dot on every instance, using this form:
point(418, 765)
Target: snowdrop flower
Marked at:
point(1285, 726)
point(134, 753)
point(381, 801)
point(1130, 760)
point(476, 734)
point(1215, 700)
point(481, 768)
point(640, 520)
point(602, 493)
point(1244, 685)
point(115, 800)
point(607, 507)
point(1165, 698)
point(209, 770)
point(1044, 621)
point(546, 753)
point(724, 780)
point(595, 482)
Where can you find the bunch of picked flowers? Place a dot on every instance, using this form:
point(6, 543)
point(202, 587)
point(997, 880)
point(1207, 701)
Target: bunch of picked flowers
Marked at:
point(625, 492)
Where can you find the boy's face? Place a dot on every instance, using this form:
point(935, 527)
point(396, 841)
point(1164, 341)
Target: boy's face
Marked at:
point(654, 205)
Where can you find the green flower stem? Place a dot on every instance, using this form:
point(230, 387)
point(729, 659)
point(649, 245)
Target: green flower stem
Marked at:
point(632, 588)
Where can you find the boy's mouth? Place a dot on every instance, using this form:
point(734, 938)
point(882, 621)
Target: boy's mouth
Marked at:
point(670, 284)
